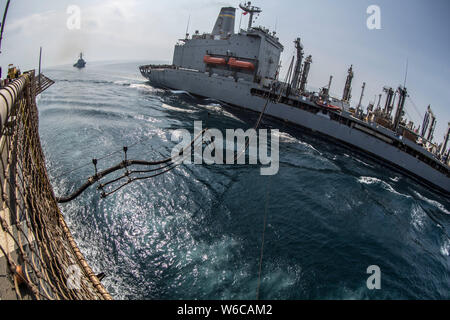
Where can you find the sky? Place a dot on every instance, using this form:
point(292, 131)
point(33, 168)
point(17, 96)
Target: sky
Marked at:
point(334, 32)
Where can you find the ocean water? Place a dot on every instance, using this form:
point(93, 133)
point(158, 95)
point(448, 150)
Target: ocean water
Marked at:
point(195, 232)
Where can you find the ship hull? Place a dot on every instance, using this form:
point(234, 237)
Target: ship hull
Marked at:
point(239, 94)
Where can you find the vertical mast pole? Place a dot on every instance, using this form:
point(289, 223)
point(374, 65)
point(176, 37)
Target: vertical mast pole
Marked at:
point(362, 95)
point(3, 24)
point(40, 60)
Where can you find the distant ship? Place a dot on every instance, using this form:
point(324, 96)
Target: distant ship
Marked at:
point(242, 69)
point(80, 63)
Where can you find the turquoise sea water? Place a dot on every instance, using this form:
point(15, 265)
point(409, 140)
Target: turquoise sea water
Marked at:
point(195, 233)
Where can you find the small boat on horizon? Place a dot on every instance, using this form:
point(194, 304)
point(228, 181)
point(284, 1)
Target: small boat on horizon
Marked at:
point(80, 63)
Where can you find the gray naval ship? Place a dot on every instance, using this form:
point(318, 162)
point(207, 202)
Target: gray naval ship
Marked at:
point(80, 63)
point(242, 69)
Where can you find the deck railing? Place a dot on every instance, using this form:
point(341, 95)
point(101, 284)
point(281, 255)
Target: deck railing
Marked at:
point(39, 258)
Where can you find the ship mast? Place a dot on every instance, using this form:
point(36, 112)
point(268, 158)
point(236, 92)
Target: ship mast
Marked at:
point(389, 95)
point(348, 86)
point(444, 144)
point(298, 64)
point(249, 9)
point(329, 85)
point(304, 79)
point(432, 127)
point(3, 24)
point(426, 122)
point(379, 102)
point(359, 109)
point(401, 106)
point(40, 63)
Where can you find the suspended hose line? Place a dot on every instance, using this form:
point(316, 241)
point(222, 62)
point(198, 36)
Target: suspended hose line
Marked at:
point(106, 156)
point(168, 164)
point(123, 165)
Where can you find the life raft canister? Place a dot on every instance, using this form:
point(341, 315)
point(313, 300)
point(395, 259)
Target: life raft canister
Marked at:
point(211, 60)
point(241, 64)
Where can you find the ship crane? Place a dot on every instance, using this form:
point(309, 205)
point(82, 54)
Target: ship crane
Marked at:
point(329, 85)
point(445, 143)
point(359, 109)
point(389, 103)
point(298, 64)
point(347, 96)
point(249, 9)
point(403, 93)
point(305, 73)
point(379, 102)
point(432, 127)
point(428, 125)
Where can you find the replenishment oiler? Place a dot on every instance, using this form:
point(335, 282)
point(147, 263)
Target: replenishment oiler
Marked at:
point(241, 69)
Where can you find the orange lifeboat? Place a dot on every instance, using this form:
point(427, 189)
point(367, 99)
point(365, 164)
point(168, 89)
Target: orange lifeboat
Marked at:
point(241, 64)
point(211, 60)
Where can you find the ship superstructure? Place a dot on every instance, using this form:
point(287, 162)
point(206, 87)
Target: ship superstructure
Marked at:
point(242, 69)
point(250, 55)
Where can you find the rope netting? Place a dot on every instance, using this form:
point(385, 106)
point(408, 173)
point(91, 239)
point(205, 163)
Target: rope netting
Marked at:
point(38, 254)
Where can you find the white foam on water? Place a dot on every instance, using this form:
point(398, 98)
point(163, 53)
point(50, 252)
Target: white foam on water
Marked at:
point(432, 202)
point(286, 137)
point(146, 87)
point(122, 82)
point(384, 185)
point(281, 276)
point(362, 162)
point(179, 92)
point(369, 180)
point(168, 107)
point(417, 217)
point(395, 179)
point(229, 115)
point(146, 118)
point(216, 105)
point(309, 147)
point(176, 135)
point(445, 248)
point(219, 109)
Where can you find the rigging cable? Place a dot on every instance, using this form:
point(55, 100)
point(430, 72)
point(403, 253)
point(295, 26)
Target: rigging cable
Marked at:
point(266, 212)
point(286, 85)
point(415, 107)
point(263, 240)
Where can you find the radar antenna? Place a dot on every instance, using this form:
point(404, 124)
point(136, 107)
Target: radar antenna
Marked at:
point(252, 10)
